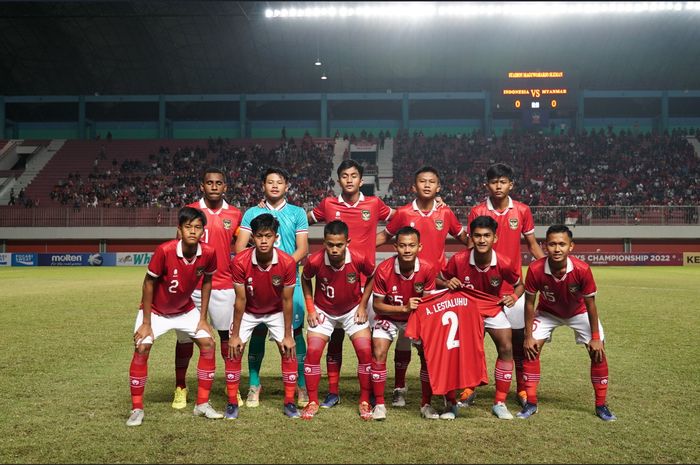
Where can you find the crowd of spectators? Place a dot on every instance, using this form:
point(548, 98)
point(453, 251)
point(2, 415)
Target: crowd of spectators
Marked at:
point(593, 169)
point(172, 179)
point(599, 168)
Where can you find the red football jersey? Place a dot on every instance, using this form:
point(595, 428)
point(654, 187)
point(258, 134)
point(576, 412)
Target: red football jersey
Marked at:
point(177, 276)
point(433, 227)
point(222, 226)
point(514, 221)
point(263, 286)
point(450, 327)
point(497, 279)
point(337, 290)
point(393, 288)
point(561, 297)
point(362, 219)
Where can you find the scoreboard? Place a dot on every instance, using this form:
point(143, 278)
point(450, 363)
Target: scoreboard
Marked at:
point(537, 95)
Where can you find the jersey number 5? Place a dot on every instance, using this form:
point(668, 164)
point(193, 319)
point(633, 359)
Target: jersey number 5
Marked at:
point(450, 318)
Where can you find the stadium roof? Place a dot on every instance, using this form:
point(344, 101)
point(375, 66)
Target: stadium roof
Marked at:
point(69, 48)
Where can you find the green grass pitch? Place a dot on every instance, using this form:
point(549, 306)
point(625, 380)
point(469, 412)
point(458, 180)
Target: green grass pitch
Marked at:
point(66, 340)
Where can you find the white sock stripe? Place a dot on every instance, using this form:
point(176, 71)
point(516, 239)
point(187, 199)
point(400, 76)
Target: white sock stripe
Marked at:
point(312, 369)
point(233, 376)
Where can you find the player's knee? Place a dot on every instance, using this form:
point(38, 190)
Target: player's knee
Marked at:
point(505, 350)
point(206, 343)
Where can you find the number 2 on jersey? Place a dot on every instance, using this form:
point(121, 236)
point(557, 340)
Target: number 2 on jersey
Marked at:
point(450, 318)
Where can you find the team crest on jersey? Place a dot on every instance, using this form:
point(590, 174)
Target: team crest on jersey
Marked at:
point(276, 280)
point(365, 215)
point(418, 288)
point(495, 281)
point(227, 224)
point(574, 288)
point(200, 270)
point(513, 223)
point(439, 224)
point(352, 278)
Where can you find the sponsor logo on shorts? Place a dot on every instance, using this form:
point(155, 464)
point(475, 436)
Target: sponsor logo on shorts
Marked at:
point(352, 278)
point(276, 280)
point(513, 223)
point(365, 215)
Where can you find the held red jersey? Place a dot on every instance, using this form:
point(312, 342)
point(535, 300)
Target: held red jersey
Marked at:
point(177, 276)
point(263, 286)
point(222, 226)
point(433, 227)
point(362, 219)
point(563, 296)
point(497, 279)
point(450, 327)
point(514, 221)
point(337, 289)
point(393, 288)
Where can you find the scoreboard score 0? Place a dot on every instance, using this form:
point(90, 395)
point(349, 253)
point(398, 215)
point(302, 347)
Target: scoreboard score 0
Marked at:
point(536, 89)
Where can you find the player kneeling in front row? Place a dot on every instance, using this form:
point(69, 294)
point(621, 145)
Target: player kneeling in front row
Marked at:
point(263, 278)
point(399, 284)
point(567, 298)
point(337, 302)
point(484, 269)
point(167, 304)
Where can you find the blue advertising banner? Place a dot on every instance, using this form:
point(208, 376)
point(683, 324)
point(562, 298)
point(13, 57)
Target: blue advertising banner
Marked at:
point(77, 259)
point(24, 259)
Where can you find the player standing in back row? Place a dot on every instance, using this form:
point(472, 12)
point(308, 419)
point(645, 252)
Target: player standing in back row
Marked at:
point(514, 219)
point(361, 214)
point(222, 224)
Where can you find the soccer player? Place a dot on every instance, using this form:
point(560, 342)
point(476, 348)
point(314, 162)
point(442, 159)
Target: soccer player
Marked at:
point(399, 283)
point(222, 223)
point(292, 239)
point(166, 303)
point(362, 215)
point(567, 298)
point(263, 278)
point(484, 269)
point(434, 221)
point(338, 302)
point(514, 219)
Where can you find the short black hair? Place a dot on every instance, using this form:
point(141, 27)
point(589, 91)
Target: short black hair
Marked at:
point(189, 214)
point(407, 231)
point(483, 221)
point(215, 170)
point(336, 227)
point(347, 164)
point(426, 169)
point(276, 170)
point(264, 221)
point(499, 170)
point(559, 228)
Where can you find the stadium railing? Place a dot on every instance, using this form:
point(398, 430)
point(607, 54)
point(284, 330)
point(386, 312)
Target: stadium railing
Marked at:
point(60, 216)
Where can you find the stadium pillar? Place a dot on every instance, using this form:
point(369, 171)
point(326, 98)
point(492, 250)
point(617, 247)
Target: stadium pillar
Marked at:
point(579, 113)
point(404, 112)
point(488, 116)
point(161, 117)
point(81, 117)
point(324, 115)
point(2, 117)
point(664, 112)
point(242, 115)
